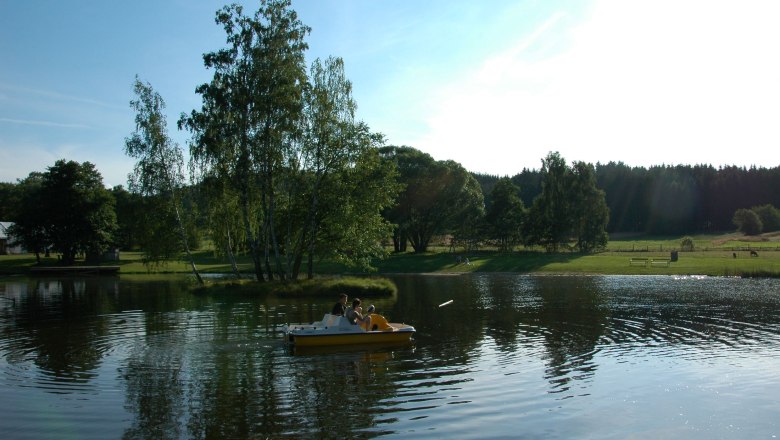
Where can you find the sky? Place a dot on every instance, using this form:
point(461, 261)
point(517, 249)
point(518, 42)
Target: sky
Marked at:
point(494, 85)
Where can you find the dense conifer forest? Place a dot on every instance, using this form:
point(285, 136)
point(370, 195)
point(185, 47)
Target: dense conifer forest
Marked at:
point(663, 199)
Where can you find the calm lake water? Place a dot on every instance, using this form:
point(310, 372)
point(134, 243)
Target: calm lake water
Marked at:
point(513, 356)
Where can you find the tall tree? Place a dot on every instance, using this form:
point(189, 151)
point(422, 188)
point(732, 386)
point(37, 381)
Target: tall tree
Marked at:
point(590, 214)
point(159, 171)
point(437, 196)
point(550, 213)
point(78, 211)
point(329, 143)
point(251, 116)
point(570, 206)
point(337, 161)
point(505, 214)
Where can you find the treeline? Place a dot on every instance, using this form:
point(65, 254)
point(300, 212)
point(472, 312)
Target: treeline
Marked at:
point(682, 199)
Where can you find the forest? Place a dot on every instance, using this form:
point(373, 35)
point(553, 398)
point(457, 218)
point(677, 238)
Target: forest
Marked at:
point(671, 200)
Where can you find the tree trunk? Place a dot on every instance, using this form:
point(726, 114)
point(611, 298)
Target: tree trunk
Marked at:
point(298, 256)
point(184, 240)
point(313, 228)
point(312, 244)
point(231, 257)
point(264, 234)
point(420, 242)
point(251, 241)
point(296, 267)
point(274, 241)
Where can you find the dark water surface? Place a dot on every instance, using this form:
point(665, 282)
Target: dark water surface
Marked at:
point(512, 357)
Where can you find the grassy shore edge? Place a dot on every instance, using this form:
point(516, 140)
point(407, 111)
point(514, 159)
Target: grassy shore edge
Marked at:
point(714, 255)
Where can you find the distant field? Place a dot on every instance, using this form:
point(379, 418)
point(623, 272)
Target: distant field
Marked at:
point(720, 242)
point(717, 255)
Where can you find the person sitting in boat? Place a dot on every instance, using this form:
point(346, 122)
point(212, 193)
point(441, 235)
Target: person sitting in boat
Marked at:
point(340, 308)
point(355, 313)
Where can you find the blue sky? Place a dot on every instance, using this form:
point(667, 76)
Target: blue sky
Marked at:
point(494, 85)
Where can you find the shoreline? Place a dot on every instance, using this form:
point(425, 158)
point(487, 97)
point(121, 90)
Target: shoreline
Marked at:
point(719, 263)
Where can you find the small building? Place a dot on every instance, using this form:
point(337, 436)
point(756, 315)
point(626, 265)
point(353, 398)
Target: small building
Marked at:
point(6, 246)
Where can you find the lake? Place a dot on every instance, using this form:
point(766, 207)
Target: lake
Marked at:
point(513, 356)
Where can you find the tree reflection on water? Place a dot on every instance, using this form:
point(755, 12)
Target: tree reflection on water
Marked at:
point(178, 365)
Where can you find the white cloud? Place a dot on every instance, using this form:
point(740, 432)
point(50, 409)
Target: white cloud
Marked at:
point(42, 123)
point(641, 82)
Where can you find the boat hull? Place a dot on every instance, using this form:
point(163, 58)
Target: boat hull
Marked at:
point(314, 340)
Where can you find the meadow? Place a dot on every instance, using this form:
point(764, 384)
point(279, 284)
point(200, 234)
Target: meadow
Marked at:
point(714, 255)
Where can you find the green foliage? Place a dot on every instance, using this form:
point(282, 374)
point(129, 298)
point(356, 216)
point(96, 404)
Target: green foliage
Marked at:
point(287, 169)
point(439, 197)
point(158, 243)
point(589, 209)
point(67, 208)
point(551, 222)
point(250, 122)
point(673, 201)
point(570, 206)
point(353, 228)
point(159, 176)
point(9, 201)
point(30, 227)
point(769, 216)
point(505, 214)
point(130, 224)
point(747, 222)
point(343, 186)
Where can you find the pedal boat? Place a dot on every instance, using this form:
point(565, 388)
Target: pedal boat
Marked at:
point(337, 330)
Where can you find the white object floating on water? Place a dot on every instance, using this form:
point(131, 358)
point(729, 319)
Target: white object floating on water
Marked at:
point(446, 303)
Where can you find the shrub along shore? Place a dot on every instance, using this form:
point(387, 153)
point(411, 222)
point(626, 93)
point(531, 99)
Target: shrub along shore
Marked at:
point(716, 255)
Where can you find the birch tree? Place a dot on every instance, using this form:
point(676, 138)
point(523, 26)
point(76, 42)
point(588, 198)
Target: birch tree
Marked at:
point(251, 117)
point(158, 172)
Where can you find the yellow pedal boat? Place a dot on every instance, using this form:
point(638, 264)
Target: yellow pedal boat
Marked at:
point(337, 330)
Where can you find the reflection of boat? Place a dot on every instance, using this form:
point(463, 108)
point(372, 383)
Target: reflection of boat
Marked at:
point(337, 330)
point(362, 352)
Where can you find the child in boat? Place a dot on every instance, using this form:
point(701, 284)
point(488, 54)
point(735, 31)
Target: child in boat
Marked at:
point(355, 313)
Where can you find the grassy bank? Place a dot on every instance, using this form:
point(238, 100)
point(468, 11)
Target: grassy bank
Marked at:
point(331, 287)
point(713, 255)
point(714, 263)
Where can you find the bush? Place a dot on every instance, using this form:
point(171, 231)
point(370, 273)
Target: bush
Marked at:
point(770, 217)
point(686, 244)
point(747, 222)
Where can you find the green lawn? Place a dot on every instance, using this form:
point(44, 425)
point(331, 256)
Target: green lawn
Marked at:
point(716, 263)
point(713, 255)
